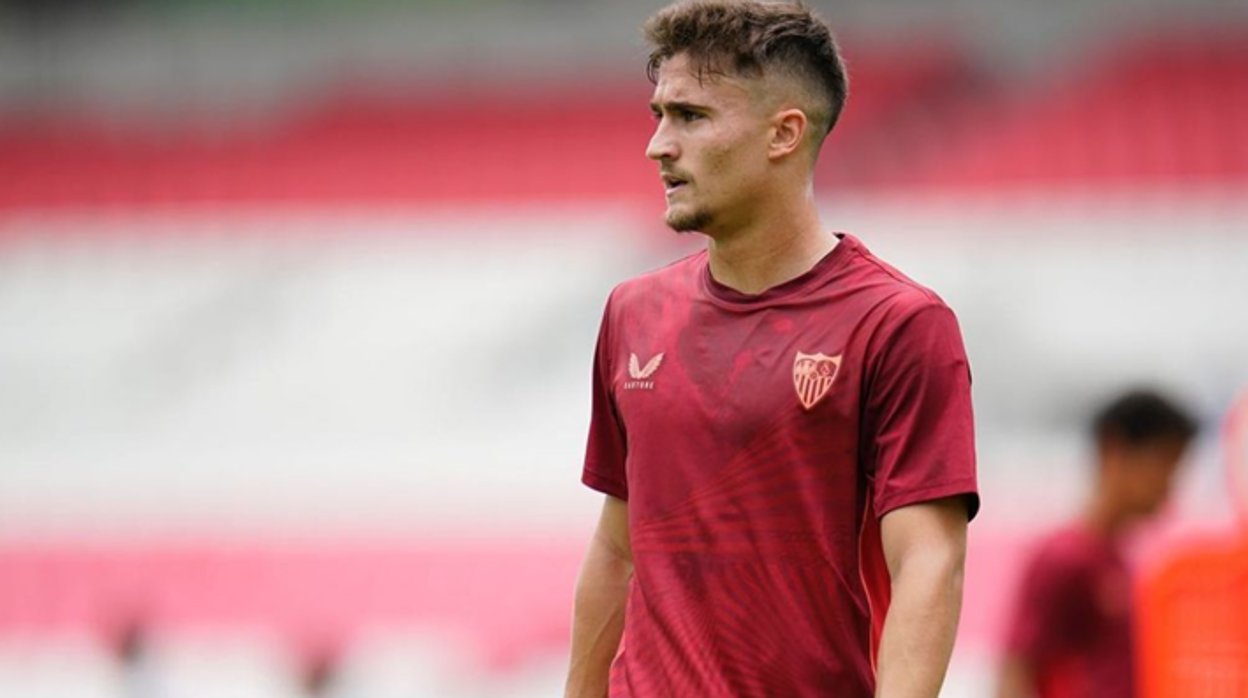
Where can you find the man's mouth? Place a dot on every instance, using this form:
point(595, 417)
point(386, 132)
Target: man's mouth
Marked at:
point(672, 183)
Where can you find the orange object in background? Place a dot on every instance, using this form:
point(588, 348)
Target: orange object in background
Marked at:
point(1193, 624)
point(1193, 621)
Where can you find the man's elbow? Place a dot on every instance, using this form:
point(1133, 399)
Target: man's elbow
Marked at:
point(607, 565)
point(611, 549)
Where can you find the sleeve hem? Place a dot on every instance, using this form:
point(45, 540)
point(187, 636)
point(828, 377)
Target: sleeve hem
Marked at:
point(604, 484)
point(965, 488)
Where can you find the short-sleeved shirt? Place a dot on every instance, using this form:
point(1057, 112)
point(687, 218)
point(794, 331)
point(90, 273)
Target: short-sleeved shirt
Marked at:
point(758, 440)
point(1072, 619)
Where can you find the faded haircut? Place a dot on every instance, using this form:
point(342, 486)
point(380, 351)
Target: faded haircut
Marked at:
point(751, 38)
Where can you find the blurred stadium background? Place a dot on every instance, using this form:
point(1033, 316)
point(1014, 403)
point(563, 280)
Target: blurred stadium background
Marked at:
point(297, 302)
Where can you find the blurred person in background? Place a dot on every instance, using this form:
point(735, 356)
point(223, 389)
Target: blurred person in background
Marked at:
point(133, 650)
point(320, 676)
point(781, 423)
point(1071, 632)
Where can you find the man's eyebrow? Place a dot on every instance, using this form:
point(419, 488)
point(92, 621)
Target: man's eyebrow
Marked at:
point(677, 106)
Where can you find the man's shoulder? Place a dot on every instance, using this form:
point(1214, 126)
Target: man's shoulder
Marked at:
point(897, 293)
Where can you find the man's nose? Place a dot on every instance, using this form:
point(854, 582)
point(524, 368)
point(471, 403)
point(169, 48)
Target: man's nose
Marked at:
point(661, 146)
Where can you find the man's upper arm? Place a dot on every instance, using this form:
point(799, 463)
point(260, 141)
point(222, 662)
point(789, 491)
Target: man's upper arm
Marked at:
point(918, 423)
point(933, 530)
point(612, 531)
point(607, 448)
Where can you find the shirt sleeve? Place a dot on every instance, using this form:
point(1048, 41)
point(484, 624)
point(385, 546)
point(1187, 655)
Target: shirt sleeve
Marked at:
point(920, 428)
point(607, 450)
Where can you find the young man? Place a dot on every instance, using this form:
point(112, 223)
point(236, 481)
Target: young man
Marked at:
point(1071, 632)
point(781, 423)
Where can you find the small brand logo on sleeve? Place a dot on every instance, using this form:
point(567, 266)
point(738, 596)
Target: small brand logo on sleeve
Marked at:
point(813, 375)
point(641, 374)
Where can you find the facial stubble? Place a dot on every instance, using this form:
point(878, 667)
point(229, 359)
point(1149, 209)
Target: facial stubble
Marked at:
point(690, 222)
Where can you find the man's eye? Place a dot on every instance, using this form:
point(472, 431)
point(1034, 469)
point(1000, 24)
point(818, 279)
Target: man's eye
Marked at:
point(690, 115)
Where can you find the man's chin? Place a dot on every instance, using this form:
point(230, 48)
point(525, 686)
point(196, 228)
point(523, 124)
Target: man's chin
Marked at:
point(686, 221)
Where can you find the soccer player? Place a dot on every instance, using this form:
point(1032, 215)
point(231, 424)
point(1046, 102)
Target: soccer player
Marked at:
point(1070, 636)
point(781, 423)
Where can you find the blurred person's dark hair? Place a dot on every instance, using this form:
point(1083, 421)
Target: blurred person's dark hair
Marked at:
point(750, 38)
point(1141, 417)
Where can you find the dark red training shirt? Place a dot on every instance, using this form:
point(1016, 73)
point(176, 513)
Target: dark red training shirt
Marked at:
point(758, 441)
point(1072, 622)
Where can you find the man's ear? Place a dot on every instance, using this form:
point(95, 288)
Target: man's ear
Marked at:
point(788, 133)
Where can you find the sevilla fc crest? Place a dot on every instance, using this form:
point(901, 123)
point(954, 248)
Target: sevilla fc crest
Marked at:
point(813, 375)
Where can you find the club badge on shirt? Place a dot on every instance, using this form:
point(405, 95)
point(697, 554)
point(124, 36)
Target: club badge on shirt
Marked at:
point(641, 374)
point(813, 375)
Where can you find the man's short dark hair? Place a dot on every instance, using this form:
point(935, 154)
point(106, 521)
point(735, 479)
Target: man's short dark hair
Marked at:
point(1143, 416)
point(750, 38)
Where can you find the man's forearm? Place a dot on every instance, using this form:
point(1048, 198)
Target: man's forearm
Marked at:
point(598, 620)
point(920, 628)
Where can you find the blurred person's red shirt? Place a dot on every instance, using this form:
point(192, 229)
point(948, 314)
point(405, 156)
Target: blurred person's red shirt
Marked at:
point(1072, 621)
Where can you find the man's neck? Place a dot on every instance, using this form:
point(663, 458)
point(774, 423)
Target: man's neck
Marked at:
point(1107, 518)
point(770, 252)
